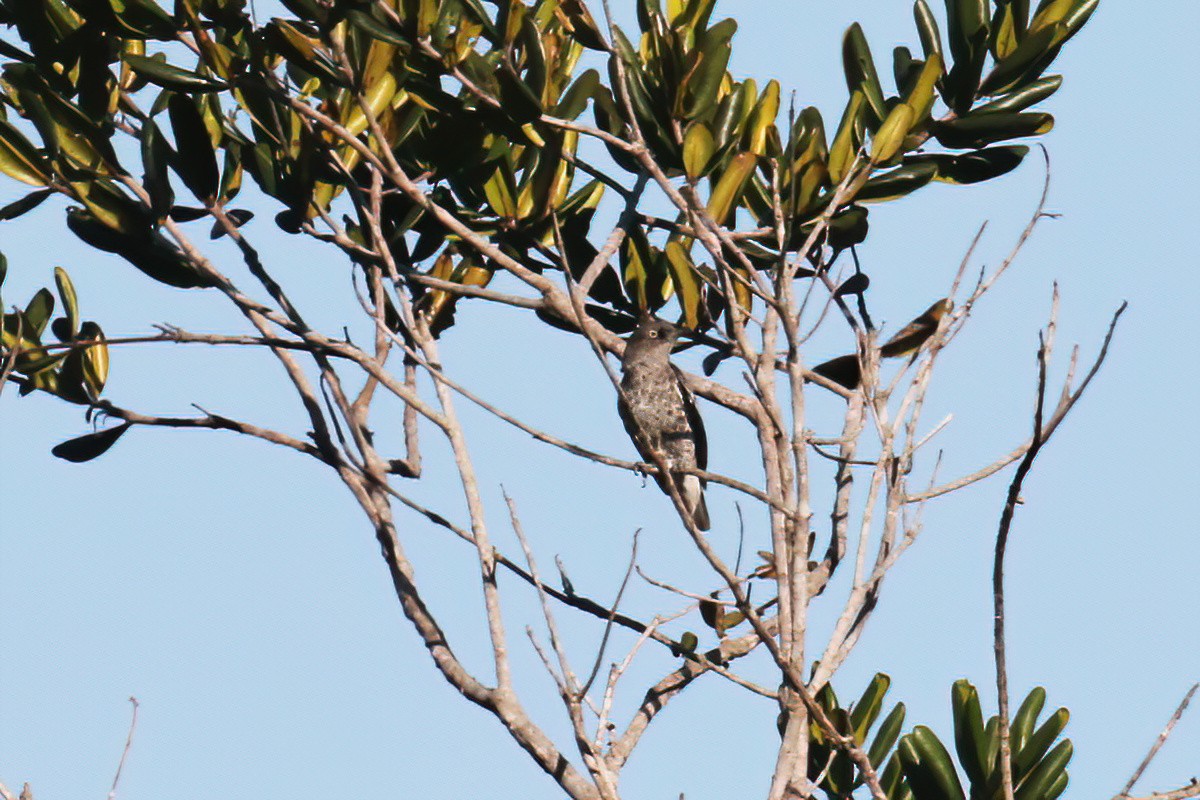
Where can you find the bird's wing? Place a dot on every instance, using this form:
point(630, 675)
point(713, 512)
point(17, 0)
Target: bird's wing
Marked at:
point(695, 421)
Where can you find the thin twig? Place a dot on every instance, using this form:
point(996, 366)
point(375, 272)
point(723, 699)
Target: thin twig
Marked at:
point(112, 793)
point(1158, 743)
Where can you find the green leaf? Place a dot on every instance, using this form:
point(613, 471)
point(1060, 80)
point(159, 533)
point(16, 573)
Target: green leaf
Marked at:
point(927, 29)
point(935, 760)
point(889, 729)
point(1026, 64)
point(868, 707)
point(574, 100)
point(980, 130)
point(85, 448)
point(196, 163)
point(70, 301)
point(698, 149)
point(1038, 743)
point(687, 284)
point(1023, 98)
point(702, 85)
point(846, 143)
point(902, 180)
point(38, 313)
point(980, 165)
point(729, 188)
point(19, 159)
point(890, 137)
point(582, 26)
point(143, 19)
point(970, 741)
point(967, 21)
point(149, 251)
point(169, 76)
point(25, 204)
point(860, 72)
point(1026, 716)
point(155, 156)
point(95, 359)
point(1048, 773)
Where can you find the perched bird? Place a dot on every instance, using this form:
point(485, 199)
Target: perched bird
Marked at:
point(910, 338)
point(844, 370)
point(660, 413)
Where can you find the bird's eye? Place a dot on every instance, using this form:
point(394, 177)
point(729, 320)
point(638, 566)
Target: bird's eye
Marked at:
point(653, 334)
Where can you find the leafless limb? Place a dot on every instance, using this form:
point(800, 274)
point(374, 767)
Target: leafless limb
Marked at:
point(1193, 788)
point(112, 793)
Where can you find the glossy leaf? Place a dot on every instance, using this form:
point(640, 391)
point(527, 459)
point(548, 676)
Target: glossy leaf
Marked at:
point(980, 165)
point(967, 28)
point(25, 204)
point(687, 283)
point(980, 130)
point(95, 359)
point(844, 150)
point(891, 134)
point(729, 188)
point(1023, 98)
point(92, 445)
point(1023, 721)
point(869, 706)
point(889, 729)
point(902, 180)
point(149, 251)
point(196, 163)
point(70, 301)
point(38, 312)
point(860, 71)
point(1047, 774)
point(169, 76)
point(19, 159)
point(1039, 742)
point(698, 149)
point(1031, 58)
point(936, 763)
point(970, 742)
point(582, 26)
point(927, 29)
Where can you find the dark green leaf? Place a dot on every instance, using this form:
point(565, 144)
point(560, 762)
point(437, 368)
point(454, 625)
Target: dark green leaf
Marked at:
point(66, 291)
point(980, 165)
point(169, 76)
point(860, 72)
point(936, 760)
point(902, 180)
point(1038, 743)
point(1025, 718)
point(927, 29)
point(889, 729)
point(970, 742)
point(38, 313)
point(85, 448)
point(980, 130)
point(195, 161)
point(1023, 98)
point(25, 204)
point(1048, 773)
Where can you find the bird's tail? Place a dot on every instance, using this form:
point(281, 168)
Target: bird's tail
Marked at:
point(692, 490)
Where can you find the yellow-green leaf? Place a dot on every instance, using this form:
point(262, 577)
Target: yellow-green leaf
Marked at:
point(698, 149)
point(728, 190)
point(687, 282)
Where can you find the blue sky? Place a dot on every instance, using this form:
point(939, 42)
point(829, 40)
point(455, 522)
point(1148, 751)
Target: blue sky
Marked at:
point(237, 592)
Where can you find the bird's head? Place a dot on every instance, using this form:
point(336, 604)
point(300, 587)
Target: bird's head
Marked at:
point(652, 337)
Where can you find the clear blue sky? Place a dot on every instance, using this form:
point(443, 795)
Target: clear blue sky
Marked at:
point(236, 591)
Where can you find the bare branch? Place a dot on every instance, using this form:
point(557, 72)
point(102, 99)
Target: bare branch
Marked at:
point(1158, 743)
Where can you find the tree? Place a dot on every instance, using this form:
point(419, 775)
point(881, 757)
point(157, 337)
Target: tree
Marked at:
point(440, 148)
